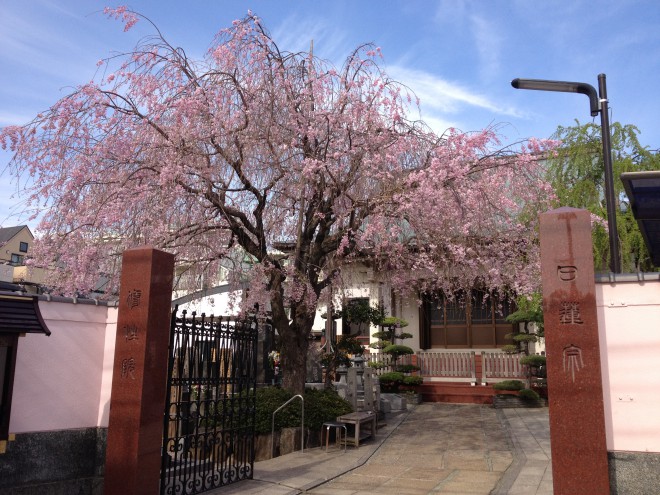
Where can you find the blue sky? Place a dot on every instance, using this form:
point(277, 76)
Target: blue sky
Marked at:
point(458, 56)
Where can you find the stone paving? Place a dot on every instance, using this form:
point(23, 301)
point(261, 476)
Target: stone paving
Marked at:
point(532, 474)
point(432, 448)
point(439, 448)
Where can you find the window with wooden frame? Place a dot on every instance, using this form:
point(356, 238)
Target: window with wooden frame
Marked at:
point(467, 320)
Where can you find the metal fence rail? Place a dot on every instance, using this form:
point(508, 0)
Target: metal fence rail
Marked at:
point(302, 424)
point(208, 430)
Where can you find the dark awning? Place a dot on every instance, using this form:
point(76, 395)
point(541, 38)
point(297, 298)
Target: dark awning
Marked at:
point(20, 314)
point(643, 190)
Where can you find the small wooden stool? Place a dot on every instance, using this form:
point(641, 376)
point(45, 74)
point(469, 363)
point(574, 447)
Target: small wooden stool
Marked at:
point(338, 426)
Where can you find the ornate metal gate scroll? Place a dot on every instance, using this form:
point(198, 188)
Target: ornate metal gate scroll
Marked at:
point(208, 432)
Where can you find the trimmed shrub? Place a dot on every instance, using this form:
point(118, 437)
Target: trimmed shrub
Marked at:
point(393, 321)
point(533, 360)
point(525, 337)
point(528, 394)
point(396, 350)
point(323, 405)
point(407, 368)
point(391, 377)
point(320, 406)
point(509, 385)
point(413, 381)
point(389, 382)
point(268, 400)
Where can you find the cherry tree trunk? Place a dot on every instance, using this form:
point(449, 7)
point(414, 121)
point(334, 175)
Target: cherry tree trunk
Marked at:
point(294, 346)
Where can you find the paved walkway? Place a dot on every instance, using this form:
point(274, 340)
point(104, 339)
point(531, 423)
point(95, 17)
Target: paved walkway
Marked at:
point(433, 448)
point(531, 472)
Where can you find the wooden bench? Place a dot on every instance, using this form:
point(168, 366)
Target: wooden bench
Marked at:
point(358, 419)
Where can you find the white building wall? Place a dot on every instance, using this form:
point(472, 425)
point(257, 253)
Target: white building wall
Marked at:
point(221, 304)
point(408, 309)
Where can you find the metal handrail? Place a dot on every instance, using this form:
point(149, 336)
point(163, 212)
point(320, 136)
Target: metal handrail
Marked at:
point(302, 424)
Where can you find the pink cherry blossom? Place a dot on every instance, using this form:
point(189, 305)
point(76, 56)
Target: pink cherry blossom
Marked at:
point(277, 169)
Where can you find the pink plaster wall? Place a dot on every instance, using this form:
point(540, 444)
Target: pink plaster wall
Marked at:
point(629, 328)
point(61, 380)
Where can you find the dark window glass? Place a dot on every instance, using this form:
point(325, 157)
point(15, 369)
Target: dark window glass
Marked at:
point(455, 311)
point(437, 312)
point(357, 329)
point(475, 319)
point(502, 310)
point(482, 304)
point(23, 247)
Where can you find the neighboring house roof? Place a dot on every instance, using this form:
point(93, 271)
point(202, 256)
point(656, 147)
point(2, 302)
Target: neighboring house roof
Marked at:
point(8, 233)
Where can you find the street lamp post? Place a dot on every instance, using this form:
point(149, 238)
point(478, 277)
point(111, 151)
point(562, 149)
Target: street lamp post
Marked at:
point(598, 104)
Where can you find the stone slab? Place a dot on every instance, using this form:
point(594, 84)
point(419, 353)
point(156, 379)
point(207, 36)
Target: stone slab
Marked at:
point(397, 402)
point(575, 391)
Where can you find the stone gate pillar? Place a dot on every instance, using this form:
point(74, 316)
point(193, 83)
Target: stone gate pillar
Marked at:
point(575, 388)
point(137, 403)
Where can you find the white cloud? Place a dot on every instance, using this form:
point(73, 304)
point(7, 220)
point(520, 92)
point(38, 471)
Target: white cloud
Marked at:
point(295, 34)
point(440, 125)
point(450, 11)
point(23, 37)
point(441, 95)
point(488, 43)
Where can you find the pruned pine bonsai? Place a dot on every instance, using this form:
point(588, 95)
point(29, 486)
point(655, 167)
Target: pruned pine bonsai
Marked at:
point(530, 311)
point(387, 338)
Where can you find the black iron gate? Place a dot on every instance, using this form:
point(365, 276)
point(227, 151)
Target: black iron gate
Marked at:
point(208, 432)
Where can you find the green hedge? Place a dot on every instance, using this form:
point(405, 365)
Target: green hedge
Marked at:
point(320, 406)
point(396, 350)
point(390, 378)
point(509, 385)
